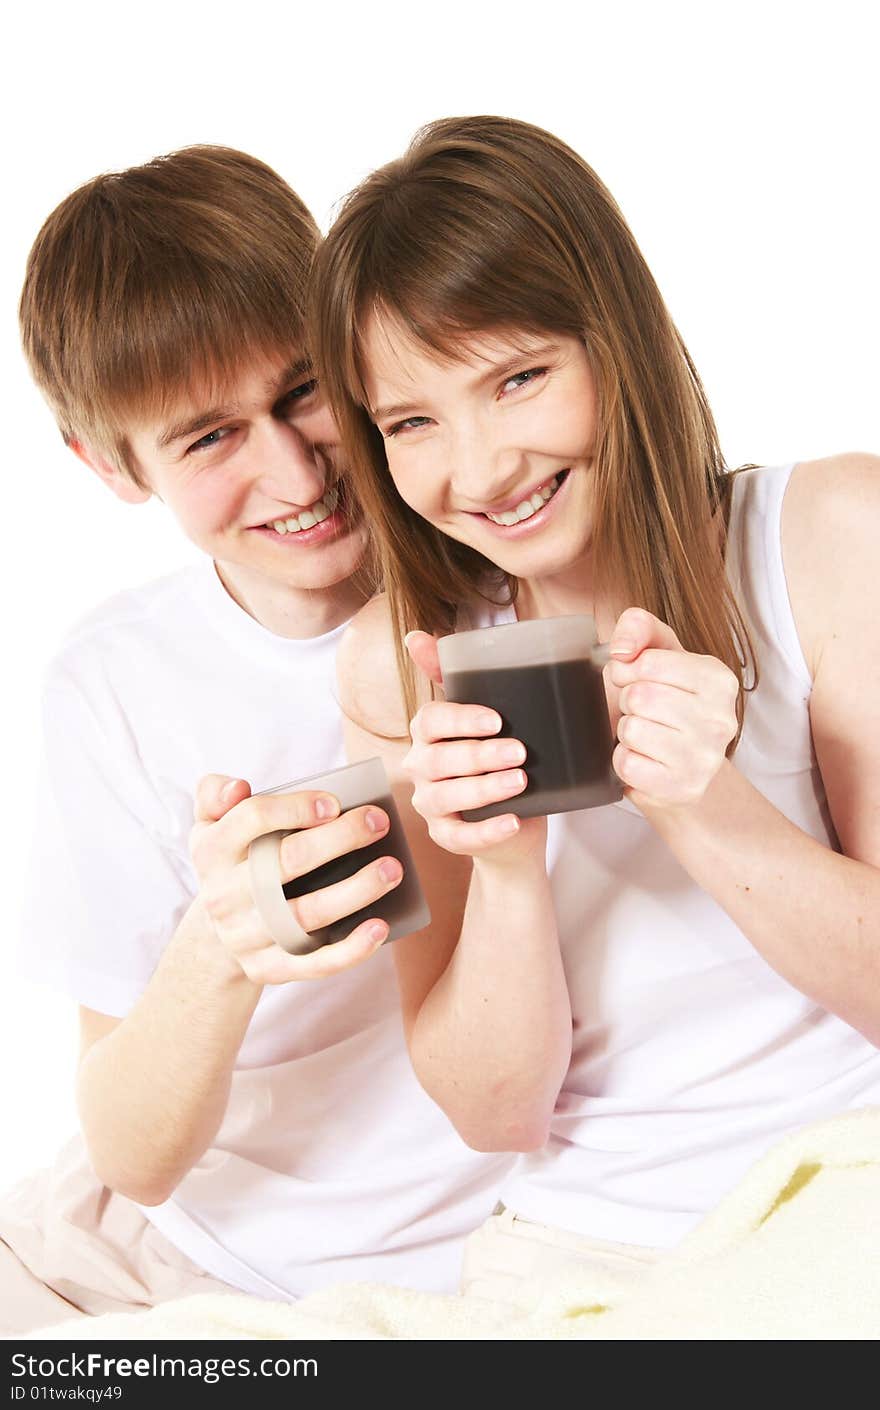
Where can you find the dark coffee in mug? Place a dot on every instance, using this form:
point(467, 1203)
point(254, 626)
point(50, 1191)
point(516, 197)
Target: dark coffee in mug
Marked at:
point(544, 678)
point(403, 908)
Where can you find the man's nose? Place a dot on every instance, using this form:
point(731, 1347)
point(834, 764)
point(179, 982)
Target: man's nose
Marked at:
point(290, 467)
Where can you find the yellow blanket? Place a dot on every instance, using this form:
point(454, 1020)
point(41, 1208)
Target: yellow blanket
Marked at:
point(792, 1253)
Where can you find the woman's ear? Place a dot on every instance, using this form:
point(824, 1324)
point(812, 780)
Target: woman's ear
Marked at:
point(116, 479)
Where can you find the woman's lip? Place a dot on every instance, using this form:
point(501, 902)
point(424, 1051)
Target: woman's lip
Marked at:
point(534, 521)
point(520, 498)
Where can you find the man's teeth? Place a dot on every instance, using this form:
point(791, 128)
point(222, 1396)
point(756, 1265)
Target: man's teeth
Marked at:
point(528, 506)
point(320, 510)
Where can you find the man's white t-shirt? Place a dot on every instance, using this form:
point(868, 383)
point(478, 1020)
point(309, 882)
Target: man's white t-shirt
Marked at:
point(331, 1164)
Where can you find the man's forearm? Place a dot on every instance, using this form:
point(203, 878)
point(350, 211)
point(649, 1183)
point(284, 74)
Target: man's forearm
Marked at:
point(492, 1041)
point(813, 914)
point(152, 1094)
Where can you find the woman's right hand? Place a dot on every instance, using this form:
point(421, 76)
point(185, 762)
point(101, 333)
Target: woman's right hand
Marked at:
point(456, 764)
point(228, 819)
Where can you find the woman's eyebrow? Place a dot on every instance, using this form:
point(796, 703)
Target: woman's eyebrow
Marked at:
point(494, 371)
point(514, 363)
point(380, 412)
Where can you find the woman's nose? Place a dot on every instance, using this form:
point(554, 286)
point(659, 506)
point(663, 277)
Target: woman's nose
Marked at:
point(484, 473)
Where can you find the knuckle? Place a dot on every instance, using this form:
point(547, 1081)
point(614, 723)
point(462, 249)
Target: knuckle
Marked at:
point(629, 729)
point(200, 848)
point(259, 815)
point(443, 834)
point(419, 801)
point(417, 725)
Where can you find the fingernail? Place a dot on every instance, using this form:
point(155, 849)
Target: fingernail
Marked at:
point(513, 753)
point(406, 639)
point(507, 826)
point(390, 869)
point(516, 781)
point(376, 822)
point(488, 721)
point(228, 789)
point(326, 807)
point(623, 647)
point(378, 932)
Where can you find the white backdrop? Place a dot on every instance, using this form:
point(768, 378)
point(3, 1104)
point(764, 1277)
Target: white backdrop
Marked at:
point(741, 144)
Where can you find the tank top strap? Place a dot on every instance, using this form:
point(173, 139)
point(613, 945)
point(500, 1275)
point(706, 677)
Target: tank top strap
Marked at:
point(755, 564)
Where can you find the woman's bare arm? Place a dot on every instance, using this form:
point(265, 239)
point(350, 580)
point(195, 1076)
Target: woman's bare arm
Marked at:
point(483, 992)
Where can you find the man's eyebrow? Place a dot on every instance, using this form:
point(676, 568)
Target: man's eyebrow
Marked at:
point(292, 373)
point(181, 429)
point(496, 371)
point(190, 426)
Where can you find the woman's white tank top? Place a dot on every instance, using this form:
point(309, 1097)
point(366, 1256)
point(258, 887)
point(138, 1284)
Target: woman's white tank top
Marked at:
point(691, 1056)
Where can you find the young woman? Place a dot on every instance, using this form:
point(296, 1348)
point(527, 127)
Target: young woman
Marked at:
point(643, 997)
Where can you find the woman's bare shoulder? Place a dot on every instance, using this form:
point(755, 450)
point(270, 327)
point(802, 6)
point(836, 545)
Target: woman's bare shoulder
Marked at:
point(370, 691)
point(829, 533)
point(835, 480)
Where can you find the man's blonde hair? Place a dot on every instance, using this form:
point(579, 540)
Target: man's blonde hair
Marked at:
point(147, 282)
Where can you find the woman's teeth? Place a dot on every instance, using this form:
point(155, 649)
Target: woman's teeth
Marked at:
point(319, 511)
point(528, 506)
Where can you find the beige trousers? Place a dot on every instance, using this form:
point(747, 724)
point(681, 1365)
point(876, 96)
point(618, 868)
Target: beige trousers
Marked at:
point(508, 1259)
point(70, 1247)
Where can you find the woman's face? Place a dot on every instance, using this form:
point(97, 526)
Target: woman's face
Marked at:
point(495, 449)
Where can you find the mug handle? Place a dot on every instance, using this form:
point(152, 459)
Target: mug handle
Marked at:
point(264, 867)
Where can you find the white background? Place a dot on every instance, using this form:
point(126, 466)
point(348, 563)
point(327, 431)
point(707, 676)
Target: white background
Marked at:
point(741, 142)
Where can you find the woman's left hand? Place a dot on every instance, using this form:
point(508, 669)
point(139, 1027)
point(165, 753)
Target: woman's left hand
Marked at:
point(674, 712)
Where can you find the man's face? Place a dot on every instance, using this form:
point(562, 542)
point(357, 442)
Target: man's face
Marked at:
point(251, 474)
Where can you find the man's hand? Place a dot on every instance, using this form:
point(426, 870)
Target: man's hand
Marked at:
point(227, 819)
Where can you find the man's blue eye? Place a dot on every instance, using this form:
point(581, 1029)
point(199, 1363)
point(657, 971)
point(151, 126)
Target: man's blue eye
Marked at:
point(211, 439)
point(305, 389)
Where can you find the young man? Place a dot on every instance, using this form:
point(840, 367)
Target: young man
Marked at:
point(242, 1130)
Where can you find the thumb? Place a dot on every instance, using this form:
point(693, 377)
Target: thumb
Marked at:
point(636, 630)
point(216, 794)
point(422, 648)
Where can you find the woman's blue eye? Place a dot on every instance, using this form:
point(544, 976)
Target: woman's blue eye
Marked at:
point(407, 424)
point(521, 379)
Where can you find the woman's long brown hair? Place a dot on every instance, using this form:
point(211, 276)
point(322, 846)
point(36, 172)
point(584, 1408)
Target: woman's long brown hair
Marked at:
point(490, 224)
